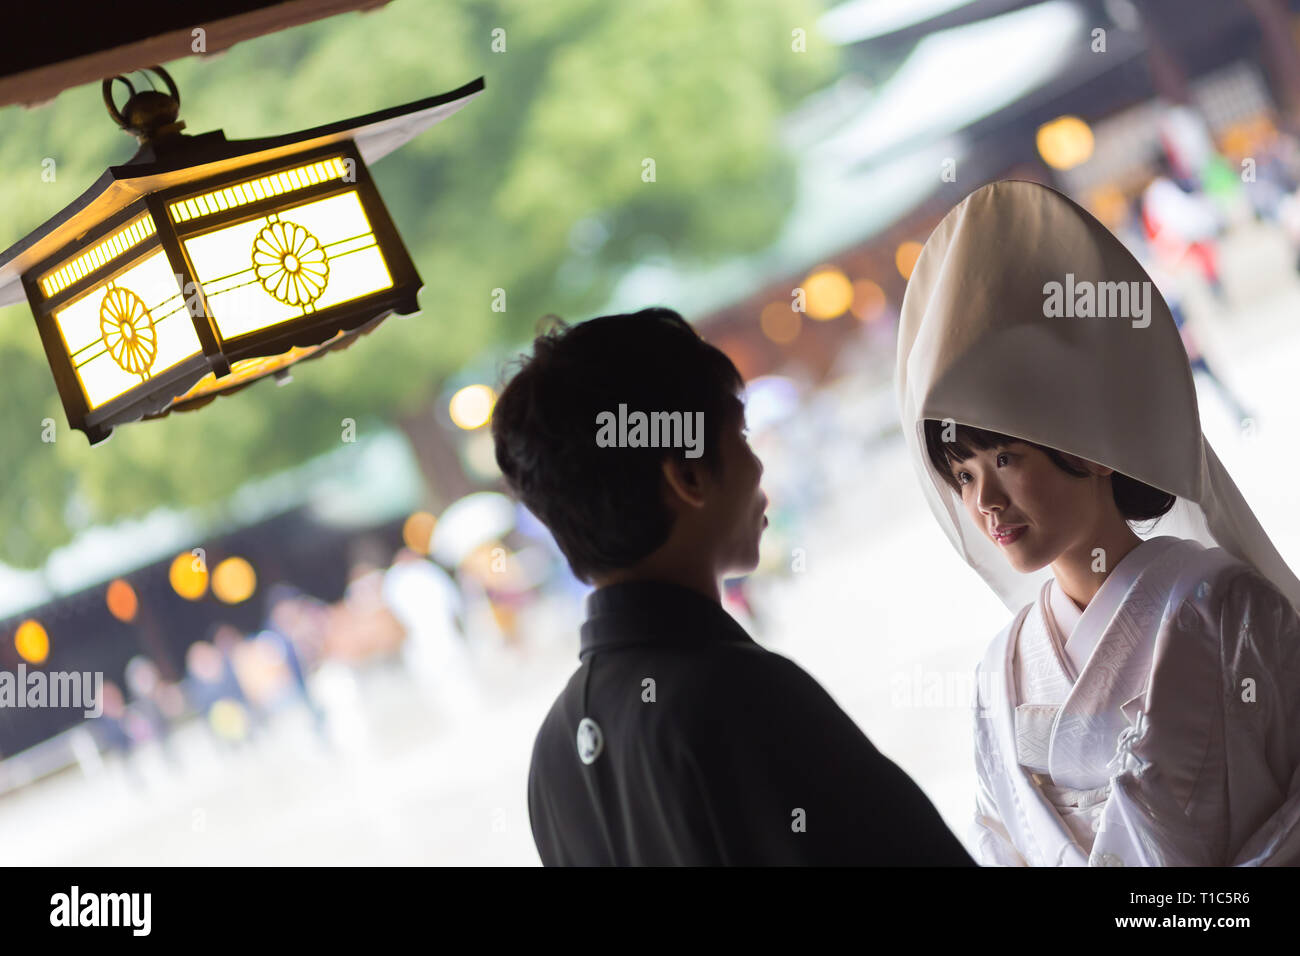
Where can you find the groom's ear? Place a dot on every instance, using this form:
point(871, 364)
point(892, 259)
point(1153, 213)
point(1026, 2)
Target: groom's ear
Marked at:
point(685, 480)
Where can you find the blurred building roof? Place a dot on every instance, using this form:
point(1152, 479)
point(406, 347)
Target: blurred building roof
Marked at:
point(903, 21)
point(868, 158)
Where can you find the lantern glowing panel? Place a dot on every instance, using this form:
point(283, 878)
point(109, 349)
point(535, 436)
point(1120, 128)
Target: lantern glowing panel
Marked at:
point(286, 263)
point(204, 264)
point(128, 329)
point(202, 288)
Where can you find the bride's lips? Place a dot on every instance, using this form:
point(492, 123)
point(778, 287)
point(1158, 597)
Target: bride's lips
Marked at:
point(1008, 534)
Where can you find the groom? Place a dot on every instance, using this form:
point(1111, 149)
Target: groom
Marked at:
point(679, 740)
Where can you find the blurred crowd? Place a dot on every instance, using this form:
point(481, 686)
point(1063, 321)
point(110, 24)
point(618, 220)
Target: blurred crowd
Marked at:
point(438, 625)
point(1198, 193)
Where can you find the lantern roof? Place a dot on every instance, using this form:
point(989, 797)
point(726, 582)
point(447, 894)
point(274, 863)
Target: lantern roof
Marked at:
point(192, 158)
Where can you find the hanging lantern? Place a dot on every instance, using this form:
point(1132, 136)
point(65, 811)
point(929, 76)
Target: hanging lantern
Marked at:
point(205, 264)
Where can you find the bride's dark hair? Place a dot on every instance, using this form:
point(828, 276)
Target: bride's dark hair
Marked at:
point(1136, 500)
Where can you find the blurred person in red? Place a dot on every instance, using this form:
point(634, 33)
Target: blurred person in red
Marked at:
point(1181, 226)
point(1159, 268)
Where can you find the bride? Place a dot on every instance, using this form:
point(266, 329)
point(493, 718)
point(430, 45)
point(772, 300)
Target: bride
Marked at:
point(1142, 708)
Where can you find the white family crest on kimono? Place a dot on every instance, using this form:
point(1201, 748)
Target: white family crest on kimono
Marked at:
point(1160, 725)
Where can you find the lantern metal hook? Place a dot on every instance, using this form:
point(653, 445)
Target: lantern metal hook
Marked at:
point(150, 115)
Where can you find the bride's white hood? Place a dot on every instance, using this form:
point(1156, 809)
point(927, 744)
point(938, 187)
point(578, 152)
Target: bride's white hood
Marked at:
point(1013, 321)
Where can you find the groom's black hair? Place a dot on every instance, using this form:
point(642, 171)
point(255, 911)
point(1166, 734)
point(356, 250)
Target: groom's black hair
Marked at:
point(1136, 500)
point(605, 506)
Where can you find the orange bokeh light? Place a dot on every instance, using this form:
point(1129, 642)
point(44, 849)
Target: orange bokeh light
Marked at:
point(780, 323)
point(868, 300)
point(31, 642)
point(906, 256)
point(417, 532)
point(122, 602)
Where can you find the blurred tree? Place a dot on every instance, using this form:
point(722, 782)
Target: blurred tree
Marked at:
point(538, 189)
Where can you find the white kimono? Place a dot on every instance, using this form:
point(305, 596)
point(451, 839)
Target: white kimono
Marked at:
point(1086, 755)
point(1162, 725)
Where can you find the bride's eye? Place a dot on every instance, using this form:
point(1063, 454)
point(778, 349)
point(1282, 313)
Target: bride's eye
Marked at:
point(963, 477)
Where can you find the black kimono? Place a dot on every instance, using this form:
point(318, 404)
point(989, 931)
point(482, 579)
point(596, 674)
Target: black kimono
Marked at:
point(680, 741)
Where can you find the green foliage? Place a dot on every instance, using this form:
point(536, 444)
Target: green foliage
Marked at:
point(582, 95)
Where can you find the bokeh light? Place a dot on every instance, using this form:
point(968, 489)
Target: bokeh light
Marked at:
point(829, 293)
point(234, 580)
point(189, 576)
point(122, 602)
point(1064, 142)
point(417, 532)
point(905, 257)
point(1108, 204)
point(31, 642)
point(868, 300)
point(780, 323)
point(228, 719)
point(471, 407)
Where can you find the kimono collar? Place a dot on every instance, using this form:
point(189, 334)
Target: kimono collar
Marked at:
point(1101, 610)
point(1077, 632)
point(654, 612)
point(1064, 611)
